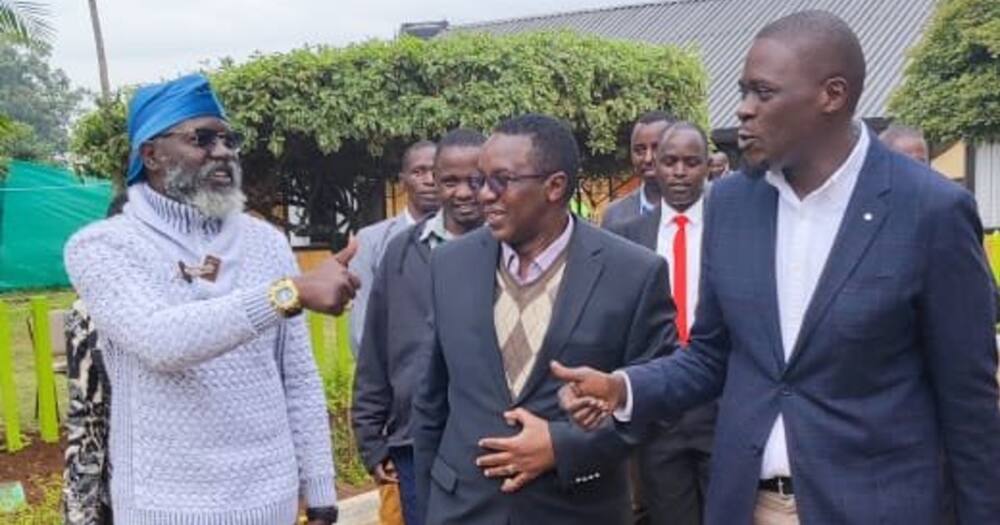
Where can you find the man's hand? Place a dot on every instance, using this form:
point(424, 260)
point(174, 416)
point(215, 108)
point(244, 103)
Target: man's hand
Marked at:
point(385, 473)
point(589, 396)
point(329, 287)
point(520, 458)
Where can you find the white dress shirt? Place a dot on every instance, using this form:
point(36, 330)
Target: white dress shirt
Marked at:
point(806, 230)
point(665, 248)
point(645, 206)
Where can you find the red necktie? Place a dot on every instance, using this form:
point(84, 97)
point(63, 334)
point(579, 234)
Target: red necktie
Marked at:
point(680, 277)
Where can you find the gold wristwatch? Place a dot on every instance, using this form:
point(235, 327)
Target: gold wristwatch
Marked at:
point(284, 297)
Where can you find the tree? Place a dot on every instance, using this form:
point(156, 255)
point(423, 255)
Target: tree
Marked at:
point(25, 22)
point(950, 89)
point(33, 93)
point(326, 126)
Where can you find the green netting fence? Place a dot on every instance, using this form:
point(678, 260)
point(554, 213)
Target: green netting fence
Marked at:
point(40, 207)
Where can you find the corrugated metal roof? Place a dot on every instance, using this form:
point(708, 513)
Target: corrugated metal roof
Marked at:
point(721, 31)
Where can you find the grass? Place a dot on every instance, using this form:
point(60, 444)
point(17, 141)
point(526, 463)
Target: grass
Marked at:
point(23, 354)
point(48, 512)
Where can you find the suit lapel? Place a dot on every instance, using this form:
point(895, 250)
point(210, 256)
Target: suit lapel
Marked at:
point(766, 258)
point(865, 214)
point(482, 286)
point(647, 229)
point(583, 267)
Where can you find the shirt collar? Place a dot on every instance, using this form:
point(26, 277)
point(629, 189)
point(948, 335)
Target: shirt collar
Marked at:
point(837, 189)
point(644, 205)
point(410, 221)
point(694, 213)
point(544, 259)
point(435, 232)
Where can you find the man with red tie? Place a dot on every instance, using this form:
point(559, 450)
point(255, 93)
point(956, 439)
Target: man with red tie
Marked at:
point(673, 464)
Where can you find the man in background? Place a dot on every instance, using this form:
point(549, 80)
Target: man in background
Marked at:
point(908, 141)
point(642, 151)
point(673, 463)
point(416, 176)
point(397, 335)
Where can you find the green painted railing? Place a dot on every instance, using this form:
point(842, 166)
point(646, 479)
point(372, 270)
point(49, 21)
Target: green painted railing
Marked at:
point(8, 390)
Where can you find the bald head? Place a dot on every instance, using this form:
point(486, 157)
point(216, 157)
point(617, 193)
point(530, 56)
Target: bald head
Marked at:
point(906, 140)
point(826, 44)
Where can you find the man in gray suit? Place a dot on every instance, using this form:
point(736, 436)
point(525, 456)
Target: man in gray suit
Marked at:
point(417, 178)
point(642, 148)
point(491, 445)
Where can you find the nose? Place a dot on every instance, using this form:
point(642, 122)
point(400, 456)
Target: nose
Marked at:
point(745, 110)
point(647, 157)
point(486, 195)
point(220, 150)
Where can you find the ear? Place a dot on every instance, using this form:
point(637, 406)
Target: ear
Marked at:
point(834, 95)
point(147, 152)
point(556, 187)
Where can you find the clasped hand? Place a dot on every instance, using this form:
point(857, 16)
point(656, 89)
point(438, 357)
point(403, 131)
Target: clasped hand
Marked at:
point(519, 458)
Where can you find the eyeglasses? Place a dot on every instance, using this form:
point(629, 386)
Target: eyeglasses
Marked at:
point(207, 138)
point(498, 183)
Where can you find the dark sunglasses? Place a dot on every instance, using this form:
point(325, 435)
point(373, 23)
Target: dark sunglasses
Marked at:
point(498, 183)
point(207, 138)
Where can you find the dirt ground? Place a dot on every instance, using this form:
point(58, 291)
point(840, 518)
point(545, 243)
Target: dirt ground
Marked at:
point(40, 461)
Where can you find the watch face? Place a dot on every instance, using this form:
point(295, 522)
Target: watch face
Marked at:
point(284, 295)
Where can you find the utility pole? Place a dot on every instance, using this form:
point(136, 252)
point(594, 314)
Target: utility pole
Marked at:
point(102, 61)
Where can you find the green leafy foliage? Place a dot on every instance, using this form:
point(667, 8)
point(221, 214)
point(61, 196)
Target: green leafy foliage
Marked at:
point(38, 96)
point(325, 126)
point(25, 22)
point(951, 88)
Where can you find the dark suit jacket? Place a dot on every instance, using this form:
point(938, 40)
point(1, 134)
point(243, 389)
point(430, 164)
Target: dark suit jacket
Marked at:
point(602, 318)
point(394, 347)
point(622, 210)
point(895, 361)
point(697, 425)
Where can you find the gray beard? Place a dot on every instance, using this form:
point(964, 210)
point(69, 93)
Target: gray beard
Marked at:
point(192, 188)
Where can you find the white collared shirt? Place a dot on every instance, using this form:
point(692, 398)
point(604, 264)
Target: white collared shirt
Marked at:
point(665, 248)
point(806, 230)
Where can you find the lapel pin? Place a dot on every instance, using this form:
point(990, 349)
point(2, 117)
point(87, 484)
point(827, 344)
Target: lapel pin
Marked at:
point(868, 217)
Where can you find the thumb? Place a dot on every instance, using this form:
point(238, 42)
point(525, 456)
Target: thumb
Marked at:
point(566, 374)
point(344, 256)
point(518, 415)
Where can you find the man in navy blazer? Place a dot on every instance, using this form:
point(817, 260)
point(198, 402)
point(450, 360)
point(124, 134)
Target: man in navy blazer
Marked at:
point(846, 314)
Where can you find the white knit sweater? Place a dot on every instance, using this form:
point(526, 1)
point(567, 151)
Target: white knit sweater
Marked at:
point(203, 430)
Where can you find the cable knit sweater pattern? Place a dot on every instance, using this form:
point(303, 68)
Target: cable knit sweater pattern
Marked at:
point(203, 431)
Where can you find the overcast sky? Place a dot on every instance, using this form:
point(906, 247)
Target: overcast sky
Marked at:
point(149, 40)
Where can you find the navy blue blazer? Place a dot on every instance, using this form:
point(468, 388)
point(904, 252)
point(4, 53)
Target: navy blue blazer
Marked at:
point(603, 317)
point(896, 360)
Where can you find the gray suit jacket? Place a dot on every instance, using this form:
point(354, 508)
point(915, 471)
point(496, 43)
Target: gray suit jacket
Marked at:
point(602, 318)
point(622, 210)
point(372, 240)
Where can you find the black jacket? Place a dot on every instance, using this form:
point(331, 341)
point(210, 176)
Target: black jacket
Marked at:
point(603, 317)
point(396, 338)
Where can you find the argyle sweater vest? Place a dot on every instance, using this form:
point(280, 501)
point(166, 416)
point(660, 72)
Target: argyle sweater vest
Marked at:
point(522, 314)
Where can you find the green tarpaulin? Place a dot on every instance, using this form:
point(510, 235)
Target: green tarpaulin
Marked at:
point(40, 207)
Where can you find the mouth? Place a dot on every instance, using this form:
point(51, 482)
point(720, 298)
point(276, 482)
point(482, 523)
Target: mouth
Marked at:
point(745, 140)
point(465, 209)
point(221, 177)
point(493, 216)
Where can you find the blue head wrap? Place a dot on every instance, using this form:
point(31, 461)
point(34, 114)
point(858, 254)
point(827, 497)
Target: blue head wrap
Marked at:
point(156, 108)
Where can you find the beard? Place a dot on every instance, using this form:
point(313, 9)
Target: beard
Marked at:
point(194, 187)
